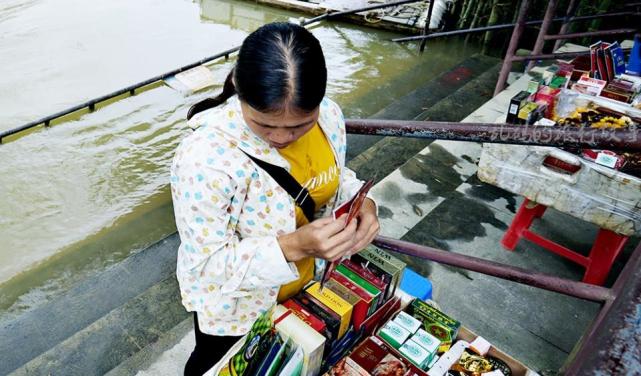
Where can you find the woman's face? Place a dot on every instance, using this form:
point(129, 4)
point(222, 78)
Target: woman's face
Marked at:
point(279, 129)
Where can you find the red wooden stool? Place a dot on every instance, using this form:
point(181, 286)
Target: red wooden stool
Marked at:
point(605, 249)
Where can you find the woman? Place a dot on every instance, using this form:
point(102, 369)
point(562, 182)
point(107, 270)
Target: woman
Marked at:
point(245, 243)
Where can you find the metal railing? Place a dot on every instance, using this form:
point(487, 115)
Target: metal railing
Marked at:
point(510, 55)
point(570, 136)
point(131, 90)
point(425, 36)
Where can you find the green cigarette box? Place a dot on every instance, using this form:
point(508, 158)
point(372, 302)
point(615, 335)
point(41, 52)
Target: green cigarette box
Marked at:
point(426, 340)
point(435, 322)
point(408, 322)
point(362, 282)
point(394, 334)
point(416, 354)
point(386, 262)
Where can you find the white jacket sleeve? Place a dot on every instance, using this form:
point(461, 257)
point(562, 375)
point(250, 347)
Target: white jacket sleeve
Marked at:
point(350, 184)
point(211, 250)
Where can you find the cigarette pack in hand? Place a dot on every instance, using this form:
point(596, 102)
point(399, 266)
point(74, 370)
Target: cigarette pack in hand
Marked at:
point(353, 206)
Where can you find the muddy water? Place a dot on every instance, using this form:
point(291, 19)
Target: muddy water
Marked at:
point(86, 193)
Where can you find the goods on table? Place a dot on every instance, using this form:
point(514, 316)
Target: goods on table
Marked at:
point(340, 329)
point(590, 92)
point(598, 186)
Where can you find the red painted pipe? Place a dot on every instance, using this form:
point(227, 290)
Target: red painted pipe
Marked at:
point(540, 280)
point(540, 39)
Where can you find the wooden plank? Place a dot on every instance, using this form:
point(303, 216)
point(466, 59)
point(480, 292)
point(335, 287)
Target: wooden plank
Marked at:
point(313, 9)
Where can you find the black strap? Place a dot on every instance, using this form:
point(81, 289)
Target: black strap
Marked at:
point(299, 193)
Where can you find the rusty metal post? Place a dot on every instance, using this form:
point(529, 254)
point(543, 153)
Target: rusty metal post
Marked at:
point(507, 26)
point(545, 26)
point(593, 138)
point(511, 50)
point(598, 33)
point(559, 55)
point(426, 30)
point(566, 22)
point(612, 344)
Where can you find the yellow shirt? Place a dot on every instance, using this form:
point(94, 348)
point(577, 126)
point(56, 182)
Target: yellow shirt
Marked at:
point(313, 166)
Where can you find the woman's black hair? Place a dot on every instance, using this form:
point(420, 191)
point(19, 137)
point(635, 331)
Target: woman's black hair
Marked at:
point(280, 67)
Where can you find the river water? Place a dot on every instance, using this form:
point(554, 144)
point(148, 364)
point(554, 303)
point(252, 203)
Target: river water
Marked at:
point(88, 192)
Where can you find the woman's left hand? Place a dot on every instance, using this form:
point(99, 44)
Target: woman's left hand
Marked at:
point(367, 225)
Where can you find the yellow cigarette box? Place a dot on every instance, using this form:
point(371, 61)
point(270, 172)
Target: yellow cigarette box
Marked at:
point(334, 302)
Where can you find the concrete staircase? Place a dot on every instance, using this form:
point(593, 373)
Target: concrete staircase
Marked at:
point(100, 322)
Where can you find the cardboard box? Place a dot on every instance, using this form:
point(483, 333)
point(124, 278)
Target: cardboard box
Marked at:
point(342, 347)
point(435, 322)
point(517, 368)
point(360, 307)
point(408, 322)
point(614, 92)
point(427, 341)
point(416, 354)
point(589, 86)
point(370, 277)
point(381, 315)
point(343, 369)
point(362, 282)
point(334, 302)
point(330, 318)
point(312, 320)
point(373, 356)
point(312, 342)
point(387, 263)
point(378, 272)
point(515, 105)
point(394, 334)
point(547, 96)
point(369, 298)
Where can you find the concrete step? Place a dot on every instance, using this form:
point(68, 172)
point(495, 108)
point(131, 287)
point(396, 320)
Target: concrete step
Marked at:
point(413, 104)
point(37, 331)
point(113, 338)
point(167, 356)
point(389, 153)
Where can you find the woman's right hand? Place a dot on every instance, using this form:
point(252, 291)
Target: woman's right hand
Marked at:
point(326, 238)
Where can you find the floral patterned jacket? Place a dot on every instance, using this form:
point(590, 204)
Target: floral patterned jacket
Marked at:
point(229, 213)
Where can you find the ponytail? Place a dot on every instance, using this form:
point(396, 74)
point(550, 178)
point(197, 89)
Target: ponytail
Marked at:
point(206, 104)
